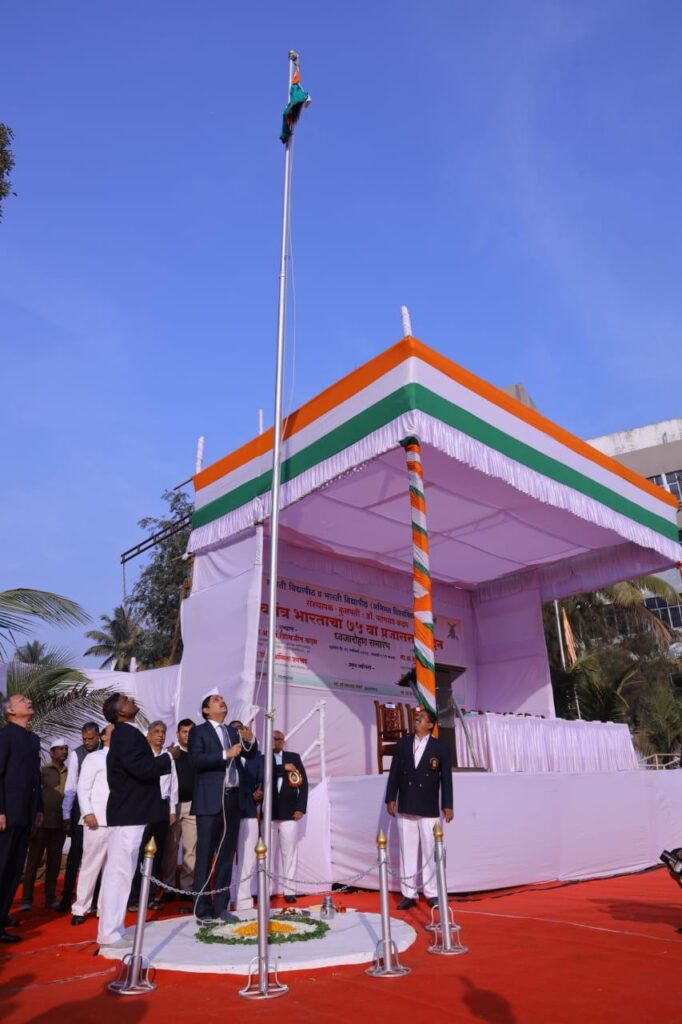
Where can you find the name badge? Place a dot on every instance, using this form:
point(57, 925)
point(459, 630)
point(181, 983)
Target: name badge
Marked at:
point(295, 779)
point(434, 764)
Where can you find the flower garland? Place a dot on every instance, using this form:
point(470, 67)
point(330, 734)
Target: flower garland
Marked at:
point(282, 928)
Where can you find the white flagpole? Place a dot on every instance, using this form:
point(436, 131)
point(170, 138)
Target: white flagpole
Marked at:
point(263, 905)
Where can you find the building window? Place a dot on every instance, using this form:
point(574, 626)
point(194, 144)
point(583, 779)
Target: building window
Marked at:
point(674, 482)
point(671, 614)
point(670, 482)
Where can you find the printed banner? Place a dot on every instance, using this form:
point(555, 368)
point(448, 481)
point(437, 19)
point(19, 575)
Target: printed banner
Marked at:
point(345, 641)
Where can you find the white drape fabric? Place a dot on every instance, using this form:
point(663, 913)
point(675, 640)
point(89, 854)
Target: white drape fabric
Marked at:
point(507, 830)
point(512, 743)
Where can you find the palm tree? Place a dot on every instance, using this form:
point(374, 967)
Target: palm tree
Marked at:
point(19, 607)
point(591, 615)
point(34, 652)
point(660, 727)
point(119, 641)
point(61, 696)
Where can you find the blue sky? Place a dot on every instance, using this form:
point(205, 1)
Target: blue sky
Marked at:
point(510, 171)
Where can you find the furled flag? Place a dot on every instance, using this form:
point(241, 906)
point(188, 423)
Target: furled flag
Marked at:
point(298, 99)
point(570, 639)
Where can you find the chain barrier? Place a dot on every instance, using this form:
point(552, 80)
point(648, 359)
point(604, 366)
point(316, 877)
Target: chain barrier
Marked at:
point(317, 886)
point(203, 892)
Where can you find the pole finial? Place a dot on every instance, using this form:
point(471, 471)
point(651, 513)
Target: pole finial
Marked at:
point(261, 849)
point(438, 832)
point(150, 848)
point(293, 56)
point(381, 839)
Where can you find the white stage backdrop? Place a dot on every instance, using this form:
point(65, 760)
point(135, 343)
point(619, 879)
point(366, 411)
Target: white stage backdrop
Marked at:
point(220, 627)
point(510, 829)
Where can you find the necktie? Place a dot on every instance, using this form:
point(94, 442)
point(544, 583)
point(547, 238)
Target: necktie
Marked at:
point(232, 777)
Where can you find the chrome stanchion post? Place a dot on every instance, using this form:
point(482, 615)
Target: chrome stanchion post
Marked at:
point(133, 979)
point(386, 961)
point(262, 988)
point(445, 925)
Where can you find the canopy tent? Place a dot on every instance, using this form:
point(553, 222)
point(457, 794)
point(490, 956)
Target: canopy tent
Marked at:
point(519, 511)
point(507, 490)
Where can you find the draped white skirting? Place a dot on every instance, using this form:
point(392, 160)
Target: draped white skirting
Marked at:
point(514, 743)
point(507, 830)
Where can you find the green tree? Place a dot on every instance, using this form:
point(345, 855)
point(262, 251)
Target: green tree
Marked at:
point(118, 642)
point(163, 583)
point(20, 607)
point(62, 696)
point(34, 652)
point(6, 163)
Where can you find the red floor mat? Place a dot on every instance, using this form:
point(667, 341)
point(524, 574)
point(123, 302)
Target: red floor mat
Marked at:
point(575, 954)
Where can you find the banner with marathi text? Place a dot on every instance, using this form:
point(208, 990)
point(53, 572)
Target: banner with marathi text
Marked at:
point(345, 641)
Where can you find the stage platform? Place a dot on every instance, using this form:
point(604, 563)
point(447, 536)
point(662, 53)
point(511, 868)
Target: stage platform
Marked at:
point(508, 830)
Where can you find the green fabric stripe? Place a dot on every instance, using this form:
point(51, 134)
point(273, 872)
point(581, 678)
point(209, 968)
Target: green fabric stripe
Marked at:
point(415, 396)
point(426, 664)
point(419, 529)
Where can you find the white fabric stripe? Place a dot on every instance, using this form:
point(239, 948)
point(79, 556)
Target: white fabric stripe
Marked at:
point(414, 369)
point(394, 379)
point(461, 447)
point(459, 395)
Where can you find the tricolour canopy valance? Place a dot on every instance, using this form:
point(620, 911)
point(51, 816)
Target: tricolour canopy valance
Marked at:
point(507, 491)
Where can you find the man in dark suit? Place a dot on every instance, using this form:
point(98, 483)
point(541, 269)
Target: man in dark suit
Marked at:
point(420, 772)
point(21, 802)
point(133, 774)
point(289, 804)
point(216, 751)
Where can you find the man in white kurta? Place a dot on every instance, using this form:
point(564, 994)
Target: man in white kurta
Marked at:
point(93, 793)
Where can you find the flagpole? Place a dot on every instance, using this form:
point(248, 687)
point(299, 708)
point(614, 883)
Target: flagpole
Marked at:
point(264, 989)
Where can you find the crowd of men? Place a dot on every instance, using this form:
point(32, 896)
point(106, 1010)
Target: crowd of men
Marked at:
point(200, 798)
point(201, 795)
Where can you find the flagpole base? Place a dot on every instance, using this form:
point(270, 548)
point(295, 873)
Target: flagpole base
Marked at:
point(381, 969)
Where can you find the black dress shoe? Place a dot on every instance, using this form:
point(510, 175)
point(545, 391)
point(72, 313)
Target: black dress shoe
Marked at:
point(62, 907)
point(289, 898)
point(406, 903)
point(78, 919)
point(432, 901)
point(10, 922)
point(6, 937)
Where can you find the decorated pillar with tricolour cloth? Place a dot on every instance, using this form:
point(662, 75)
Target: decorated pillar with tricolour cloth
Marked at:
point(425, 667)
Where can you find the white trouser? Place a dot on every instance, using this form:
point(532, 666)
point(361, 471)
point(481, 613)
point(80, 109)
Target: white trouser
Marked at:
point(122, 859)
point(95, 842)
point(243, 879)
point(285, 836)
point(414, 831)
point(185, 829)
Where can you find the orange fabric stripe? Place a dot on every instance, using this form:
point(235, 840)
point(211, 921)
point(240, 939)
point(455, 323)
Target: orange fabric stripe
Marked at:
point(365, 375)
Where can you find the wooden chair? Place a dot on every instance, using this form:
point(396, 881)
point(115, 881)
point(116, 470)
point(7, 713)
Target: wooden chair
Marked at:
point(390, 727)
point(410, 724)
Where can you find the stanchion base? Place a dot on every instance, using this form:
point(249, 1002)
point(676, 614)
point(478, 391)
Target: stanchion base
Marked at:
point(252, 989)
point(437, 950)
point(122, 985)
point(379, 968)
point(121, 988)
point(397, 971)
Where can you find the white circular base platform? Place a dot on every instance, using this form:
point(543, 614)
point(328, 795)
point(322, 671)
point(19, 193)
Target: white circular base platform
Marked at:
point(171, 945)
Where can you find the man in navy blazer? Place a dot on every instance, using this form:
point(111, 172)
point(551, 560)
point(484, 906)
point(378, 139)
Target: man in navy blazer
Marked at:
point(21, 799)
point(420, 772)
point(216, 750)
point(133, 774)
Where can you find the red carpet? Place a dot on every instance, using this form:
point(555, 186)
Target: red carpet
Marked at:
point(575, 954)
